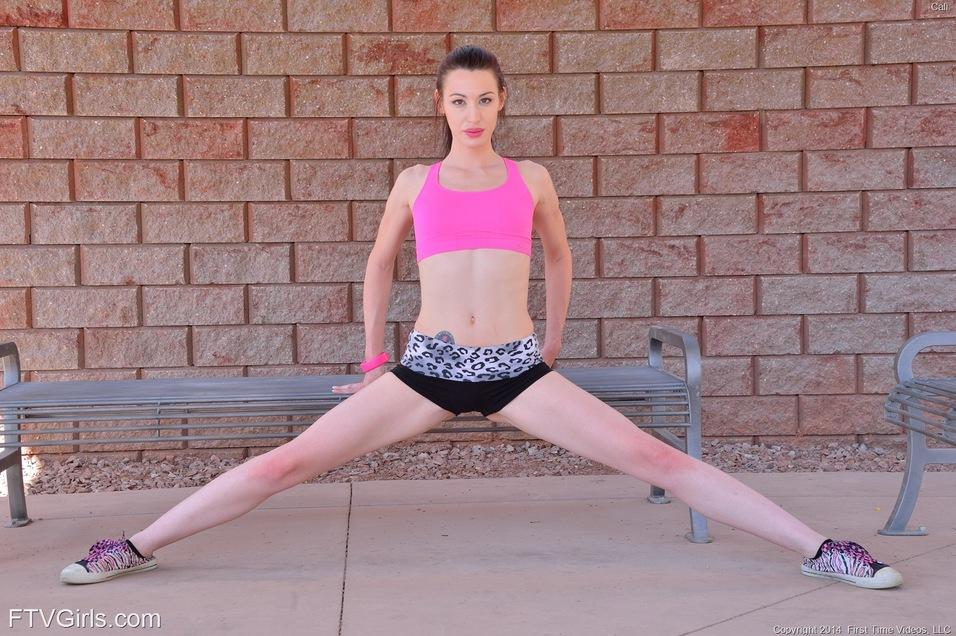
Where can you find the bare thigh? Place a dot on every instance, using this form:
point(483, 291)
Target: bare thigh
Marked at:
point(559, 411)
point(384, 412)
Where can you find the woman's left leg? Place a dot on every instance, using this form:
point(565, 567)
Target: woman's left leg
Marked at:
point(557, 410)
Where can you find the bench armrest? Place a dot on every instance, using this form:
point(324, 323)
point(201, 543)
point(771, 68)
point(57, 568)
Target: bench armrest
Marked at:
point(903, 363)
point(9, 363)
point(687, 344)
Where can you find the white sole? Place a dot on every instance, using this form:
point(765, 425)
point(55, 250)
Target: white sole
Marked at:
point(885, 578)
point(81, 578)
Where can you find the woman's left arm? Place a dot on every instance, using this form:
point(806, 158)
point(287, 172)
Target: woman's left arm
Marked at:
point(549, 224)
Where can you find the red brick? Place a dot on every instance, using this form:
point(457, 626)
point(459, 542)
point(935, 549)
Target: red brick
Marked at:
point(726, 376)
point(751, 335)
point(32, 94)
point(517, 52)
point(858, 333)
point(934, 167)
point(911, 209)
point(649, 14)
point(404, 304)
point(750, 172)
point(30, 266)
point(7, 60)
point(192, 138)
point(132, 264)
point(572, 176)
point(247, 263)
point(13, 225)
point(235, 180)
point(391, 54)
point(244, 344)
point(936, 321)
point(862, 169)
point(753, 89)
point(751, 254)
point(570, 94)
point(856, 252)
point(933, 250)
point(609, 299)
point(337, 262)
point(934, 9)
point(193, 305)
point(751, 12)
point(877, 374)
point(703, 49)
point(116, 95)
point(911, 41)
point(292, 54)
point(649, 257)
point(814, 129)
point(57, 50)
point(757, 415)
point(339, 96)
point(562, 15)
point(731, 296)
point(843, 414)
point(301, 138)
point(792, 375)
point(608, 135)
point(235, 96)
point(213, 15)
point(39, 13)
point(913, 126)
point(603, 52)
point(338, 343)
point(935, 83)
point(909, 292)
point(12, 144)
point(671, 92)
point(710, 132)
point(628, 337)
point(299, 222)
point(847, 86)
point(811, 212)
point(816, 45)
point(85, 307)
point(193, 223)
point(82, 138)
point(135, 347)
point(330, 180)
point(860, 10)
point(656, 174)
point(807, 294)
point(127, 180)
point(271, 304)
point(181, 53)
point(612, 216)
point(712, 214)
point(13, 309)
point(73, 223)
point(391, 138)
point(33, 180)
point(45, 348)
point(433, 15)
point(338, 15)
point(140, 15)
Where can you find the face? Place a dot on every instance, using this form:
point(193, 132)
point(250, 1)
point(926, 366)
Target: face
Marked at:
point(471, 101)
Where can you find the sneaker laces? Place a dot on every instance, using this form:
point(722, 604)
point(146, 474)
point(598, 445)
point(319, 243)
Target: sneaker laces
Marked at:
point(845, 557)
point(108, 554)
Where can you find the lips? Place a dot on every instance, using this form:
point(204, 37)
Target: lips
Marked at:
point(474, 130)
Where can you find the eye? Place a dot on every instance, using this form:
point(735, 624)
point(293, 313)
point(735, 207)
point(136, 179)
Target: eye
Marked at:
point(455, 102)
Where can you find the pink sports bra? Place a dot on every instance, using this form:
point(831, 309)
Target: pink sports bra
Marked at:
point(449, 220)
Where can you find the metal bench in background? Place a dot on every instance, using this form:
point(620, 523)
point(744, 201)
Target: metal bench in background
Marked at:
point(926, 407)
point(159, 411)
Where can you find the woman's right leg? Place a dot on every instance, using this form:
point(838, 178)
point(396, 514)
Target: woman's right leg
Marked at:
point(384, 412)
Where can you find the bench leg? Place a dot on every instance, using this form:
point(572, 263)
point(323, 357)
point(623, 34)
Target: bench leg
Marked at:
point(18, 501)
point(916, 455)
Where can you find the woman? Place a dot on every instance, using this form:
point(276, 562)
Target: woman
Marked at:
point(473, 348)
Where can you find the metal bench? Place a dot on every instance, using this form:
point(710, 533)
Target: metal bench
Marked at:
point(926, 407)
point(158, 411)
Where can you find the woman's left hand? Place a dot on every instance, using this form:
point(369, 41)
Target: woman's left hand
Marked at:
point(550, 354)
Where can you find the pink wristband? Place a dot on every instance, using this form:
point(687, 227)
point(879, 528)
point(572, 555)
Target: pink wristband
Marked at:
point(372, 363)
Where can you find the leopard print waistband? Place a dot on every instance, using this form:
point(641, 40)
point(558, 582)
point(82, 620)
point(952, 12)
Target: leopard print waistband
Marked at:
point(437, 358)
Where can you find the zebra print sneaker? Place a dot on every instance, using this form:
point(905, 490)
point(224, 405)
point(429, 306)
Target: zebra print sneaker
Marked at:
point(849, 562)
point(108, 558)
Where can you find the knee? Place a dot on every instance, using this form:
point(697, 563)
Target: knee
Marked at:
point(274, 468)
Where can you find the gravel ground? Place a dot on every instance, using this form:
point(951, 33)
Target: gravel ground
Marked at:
point(446, 460)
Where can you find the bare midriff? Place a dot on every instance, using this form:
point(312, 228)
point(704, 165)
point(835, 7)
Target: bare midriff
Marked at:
point(480, 296)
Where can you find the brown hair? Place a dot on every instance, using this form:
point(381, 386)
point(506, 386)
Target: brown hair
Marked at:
point(469, 57)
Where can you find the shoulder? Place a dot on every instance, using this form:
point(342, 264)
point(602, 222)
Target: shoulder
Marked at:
point(537, 177)
point(410, 181)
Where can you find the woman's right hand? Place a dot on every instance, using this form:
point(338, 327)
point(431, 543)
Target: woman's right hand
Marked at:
point(367, 379)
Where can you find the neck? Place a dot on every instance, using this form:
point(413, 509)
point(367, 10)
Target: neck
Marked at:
point(472, 158)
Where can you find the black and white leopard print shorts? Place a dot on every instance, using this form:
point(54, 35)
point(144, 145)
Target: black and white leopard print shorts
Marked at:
point(463, 379)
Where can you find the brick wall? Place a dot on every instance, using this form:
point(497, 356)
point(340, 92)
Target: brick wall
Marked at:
point(187, 188)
